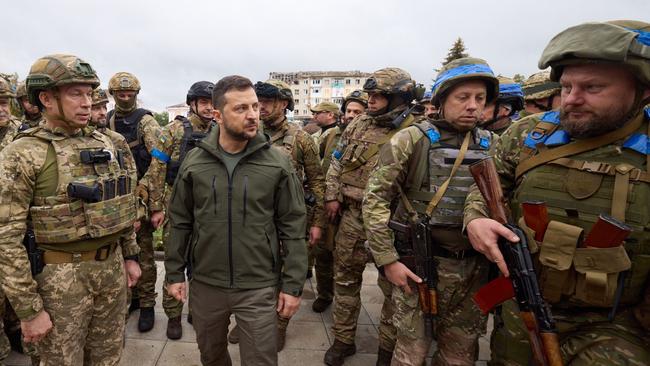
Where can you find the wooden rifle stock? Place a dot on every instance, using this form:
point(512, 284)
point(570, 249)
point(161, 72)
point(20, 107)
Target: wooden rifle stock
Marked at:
point(487, 179)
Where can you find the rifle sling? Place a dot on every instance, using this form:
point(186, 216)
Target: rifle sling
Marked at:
point(577, 147)
point(443, 187)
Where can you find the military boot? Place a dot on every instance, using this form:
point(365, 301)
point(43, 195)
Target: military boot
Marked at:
point(320, 305)
point(145, 323)
point(134, 305)
point(384, 357)
point(338, 352)
point(174, 328)
point(233, 336)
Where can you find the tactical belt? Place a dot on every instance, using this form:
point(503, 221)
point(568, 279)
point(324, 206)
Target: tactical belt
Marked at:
point(101, 254)
point(460, 254)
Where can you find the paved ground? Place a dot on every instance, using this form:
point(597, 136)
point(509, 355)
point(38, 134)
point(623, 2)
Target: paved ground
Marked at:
point(308, 337)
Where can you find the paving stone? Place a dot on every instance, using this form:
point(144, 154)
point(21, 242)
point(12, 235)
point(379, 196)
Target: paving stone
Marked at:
point(307, 336)
point(142, 352)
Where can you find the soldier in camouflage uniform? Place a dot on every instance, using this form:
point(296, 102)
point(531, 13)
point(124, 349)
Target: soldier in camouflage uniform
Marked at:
point(498, 115)
point(587, 159)
point(8, 130)
point(178, 138)
point(416, 169)
point(429, 108)
point(32, 115)
point(541, 94)
point(390, 91)
point(142, 133)
point(64, 178)
point(275, 98)
point(353, 105)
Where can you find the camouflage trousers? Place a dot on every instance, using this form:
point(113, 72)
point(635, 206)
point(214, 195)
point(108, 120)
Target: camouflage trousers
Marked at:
point(86, 304)
point(350, 258)
point(147, 285)
point(586, 338)
point(5, 347)
point(459, 322)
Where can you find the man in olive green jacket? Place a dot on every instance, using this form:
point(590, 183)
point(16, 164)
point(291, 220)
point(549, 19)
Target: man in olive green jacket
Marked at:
point(238, 215)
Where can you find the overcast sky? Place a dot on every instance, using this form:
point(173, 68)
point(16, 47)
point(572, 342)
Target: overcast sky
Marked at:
point(170, 44)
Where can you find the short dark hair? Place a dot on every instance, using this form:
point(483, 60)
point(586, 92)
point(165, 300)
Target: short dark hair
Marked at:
point(227, 84)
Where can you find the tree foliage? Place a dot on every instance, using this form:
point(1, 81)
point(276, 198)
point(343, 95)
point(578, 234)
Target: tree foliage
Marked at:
point(519, 78)
point(162, 118)
point(456, 51)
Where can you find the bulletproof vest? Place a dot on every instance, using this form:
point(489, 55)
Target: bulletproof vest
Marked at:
point(127, 126)
point(576, 190)
point(331, 141)
point(94, 194)
point(189, 142)
point(359, 158)
point(441, 158)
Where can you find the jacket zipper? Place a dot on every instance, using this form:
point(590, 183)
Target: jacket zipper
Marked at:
point(245, 194)
point(214, 193)
point(232, 279)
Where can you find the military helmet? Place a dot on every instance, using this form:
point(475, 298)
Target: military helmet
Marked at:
point(625, 42)
point(5, 89)
point(463, 69)
point(391, 81)
point(510, 92)
point(275, 89)
point(123, 81)
point(56, 70)
point(358, 96)
point(21, 90)
point(200, 89)
point(426, 97)
point(540, 86)
point(99, 96)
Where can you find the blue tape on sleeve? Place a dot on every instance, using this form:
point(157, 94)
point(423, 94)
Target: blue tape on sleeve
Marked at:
point(638, 142)
point(558, 138)
point(160, 155)
point(534, 138)
point(433, 136)
point(337, 154)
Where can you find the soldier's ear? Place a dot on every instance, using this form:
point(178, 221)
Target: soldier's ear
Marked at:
point(46, 97)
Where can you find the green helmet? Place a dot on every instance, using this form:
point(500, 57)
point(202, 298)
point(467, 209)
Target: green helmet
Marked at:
point(275, 89)
point(5, 89)
point(463, 69)
point(391, 81)
point(540, 86)
point(99, 96)
point(123, 81)
point(358, 96)
point(625, 42)
point(55, 70)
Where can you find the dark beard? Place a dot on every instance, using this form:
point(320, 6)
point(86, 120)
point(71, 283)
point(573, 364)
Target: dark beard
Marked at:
point(598, 125)
point(235, 135)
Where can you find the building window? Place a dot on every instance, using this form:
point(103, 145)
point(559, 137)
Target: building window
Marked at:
point(296, 91)
point(327, 81)
point(306, 82)
point(304, 111)
point(316, 91)
point(358, 81)
point(296, 101)
point(315, 82)
point(338, 100)
point(347, 81)
point(317, 100)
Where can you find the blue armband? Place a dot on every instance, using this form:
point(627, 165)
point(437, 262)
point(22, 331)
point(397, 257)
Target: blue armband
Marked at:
point(160, 155)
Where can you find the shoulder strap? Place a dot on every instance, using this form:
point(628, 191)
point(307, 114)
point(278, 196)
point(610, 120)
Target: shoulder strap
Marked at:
point(374, 148)
point(443, 188)
point(187, 135)
point(577, 147)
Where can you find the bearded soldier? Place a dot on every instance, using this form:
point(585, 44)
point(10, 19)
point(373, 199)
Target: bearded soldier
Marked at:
point(67, 283)
point(32, 115)
point(588, 163)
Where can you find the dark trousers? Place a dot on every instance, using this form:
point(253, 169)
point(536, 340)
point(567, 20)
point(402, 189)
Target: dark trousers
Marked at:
point(255, 312)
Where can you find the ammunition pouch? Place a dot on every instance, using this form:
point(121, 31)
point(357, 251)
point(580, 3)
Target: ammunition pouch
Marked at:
point(94, 157)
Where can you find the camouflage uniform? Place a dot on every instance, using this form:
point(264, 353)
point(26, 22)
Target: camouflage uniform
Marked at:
point(353, 161)
point(417, 161)
point(148, 135)
point(170, 143)
point(82, 284)
point(581, 310)
point(538, 89)
point(511, 95)
point(28, 121)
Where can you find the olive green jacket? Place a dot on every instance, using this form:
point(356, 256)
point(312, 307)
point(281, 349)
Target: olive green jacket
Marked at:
point(243, 231)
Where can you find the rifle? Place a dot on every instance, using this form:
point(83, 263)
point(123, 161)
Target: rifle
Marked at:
point(34, 254)
point(533, 309)
point(418, 234)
